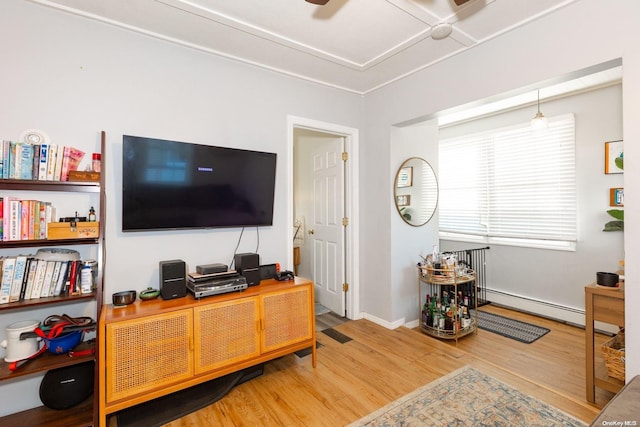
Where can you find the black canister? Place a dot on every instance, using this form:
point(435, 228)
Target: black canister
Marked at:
point(607, 279)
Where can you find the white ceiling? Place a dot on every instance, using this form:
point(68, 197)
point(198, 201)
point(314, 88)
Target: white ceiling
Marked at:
point(357, 45)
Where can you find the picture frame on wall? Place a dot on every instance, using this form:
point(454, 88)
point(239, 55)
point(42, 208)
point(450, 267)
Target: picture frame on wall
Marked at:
point(403, 200)
point(613, 157)
point(405, 177)
point(616, 197)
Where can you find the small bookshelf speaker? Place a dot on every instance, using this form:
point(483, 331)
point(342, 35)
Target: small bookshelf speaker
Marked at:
point(248, 265)
point(173, 279)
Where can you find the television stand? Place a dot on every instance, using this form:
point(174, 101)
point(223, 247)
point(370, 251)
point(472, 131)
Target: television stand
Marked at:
point(152, 349)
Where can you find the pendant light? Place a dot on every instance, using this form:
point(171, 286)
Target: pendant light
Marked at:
point(539, 121)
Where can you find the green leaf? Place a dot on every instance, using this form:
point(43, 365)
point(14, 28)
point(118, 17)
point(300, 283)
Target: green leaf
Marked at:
point(614, 226)
point(617, 214)
point(619, 161)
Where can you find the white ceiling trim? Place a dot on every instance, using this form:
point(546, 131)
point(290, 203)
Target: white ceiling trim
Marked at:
point(194, 46)
point(212, 15)
point(408, 7)
point(417, 13)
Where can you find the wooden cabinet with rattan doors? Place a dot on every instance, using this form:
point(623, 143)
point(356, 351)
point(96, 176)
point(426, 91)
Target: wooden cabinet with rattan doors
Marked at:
point(235, 331)
point(153, 348)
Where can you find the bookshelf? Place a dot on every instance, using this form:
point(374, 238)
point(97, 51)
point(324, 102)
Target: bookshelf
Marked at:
point(87, 412)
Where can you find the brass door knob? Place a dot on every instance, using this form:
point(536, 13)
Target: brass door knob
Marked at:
point(311, 231)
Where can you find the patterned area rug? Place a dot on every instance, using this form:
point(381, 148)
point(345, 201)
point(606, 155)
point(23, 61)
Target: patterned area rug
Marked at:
point(510, 328)
point(467, 397)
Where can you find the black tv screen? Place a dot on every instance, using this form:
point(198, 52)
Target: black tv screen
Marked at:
point(175, 185)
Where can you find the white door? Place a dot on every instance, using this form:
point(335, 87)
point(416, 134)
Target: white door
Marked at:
point(325, 230)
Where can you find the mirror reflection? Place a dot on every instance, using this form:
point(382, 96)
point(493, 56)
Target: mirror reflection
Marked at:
point(416, 191)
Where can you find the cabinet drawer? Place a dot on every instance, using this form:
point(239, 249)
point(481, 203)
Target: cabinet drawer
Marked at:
point(148, 353)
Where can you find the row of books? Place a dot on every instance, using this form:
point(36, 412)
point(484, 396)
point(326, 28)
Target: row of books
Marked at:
point(25, 277)
point(25, 219)
point(42, 162)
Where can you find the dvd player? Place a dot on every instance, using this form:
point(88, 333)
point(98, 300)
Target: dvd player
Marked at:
point(198, 277)
point(217, 286)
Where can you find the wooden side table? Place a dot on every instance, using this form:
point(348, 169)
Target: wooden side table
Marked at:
point(604, 305)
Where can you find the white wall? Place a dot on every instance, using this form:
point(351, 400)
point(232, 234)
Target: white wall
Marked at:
point(408, 242)
point(72, 77)
point(557, 278)
point(549, 47)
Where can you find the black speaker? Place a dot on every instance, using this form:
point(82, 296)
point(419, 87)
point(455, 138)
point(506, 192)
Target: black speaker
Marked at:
point(248, 265)
point(65, 387)
point(173, 279)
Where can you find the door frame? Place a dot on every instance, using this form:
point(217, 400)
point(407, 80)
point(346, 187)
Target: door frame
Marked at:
point(351, 143)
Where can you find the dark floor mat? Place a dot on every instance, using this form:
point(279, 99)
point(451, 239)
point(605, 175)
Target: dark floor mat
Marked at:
point(338, 336)
point(306, 351)
point(163, 410)
point(510, 328)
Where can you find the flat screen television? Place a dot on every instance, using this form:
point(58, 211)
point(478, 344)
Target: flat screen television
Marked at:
point(178, 185)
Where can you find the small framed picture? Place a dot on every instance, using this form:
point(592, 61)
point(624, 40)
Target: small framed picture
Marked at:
point(405, 177)
point(403, 200)
point(616, 197)
point(613, 157)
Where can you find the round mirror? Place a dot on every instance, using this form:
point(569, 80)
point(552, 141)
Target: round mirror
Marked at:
point(416, 191)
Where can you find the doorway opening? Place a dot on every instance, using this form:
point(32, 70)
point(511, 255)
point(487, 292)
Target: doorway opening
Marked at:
point(322, 211)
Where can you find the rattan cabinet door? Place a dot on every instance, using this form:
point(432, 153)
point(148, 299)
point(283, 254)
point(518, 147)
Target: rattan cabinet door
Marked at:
point(226, 333)
point(288, 317)
point(148, 353)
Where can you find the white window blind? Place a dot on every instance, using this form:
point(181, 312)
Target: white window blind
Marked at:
point(510, 184)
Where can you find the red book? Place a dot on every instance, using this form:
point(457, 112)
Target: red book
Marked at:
point(72, 279)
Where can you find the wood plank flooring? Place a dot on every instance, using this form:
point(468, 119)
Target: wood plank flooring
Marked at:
point(379, 365)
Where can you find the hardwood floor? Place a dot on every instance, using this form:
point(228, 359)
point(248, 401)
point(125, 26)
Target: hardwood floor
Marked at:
point(379, 365)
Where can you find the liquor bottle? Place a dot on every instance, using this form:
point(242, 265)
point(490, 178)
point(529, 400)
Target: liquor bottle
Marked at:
point(425, 311)
point(432, 312)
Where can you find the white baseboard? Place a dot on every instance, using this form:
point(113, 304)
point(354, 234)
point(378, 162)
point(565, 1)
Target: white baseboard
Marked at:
point(571, 315)
point(385, 324)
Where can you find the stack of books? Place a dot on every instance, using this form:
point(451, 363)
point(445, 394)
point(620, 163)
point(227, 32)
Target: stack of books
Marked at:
point(25, 277)
point(24, 219)
point(41, 162)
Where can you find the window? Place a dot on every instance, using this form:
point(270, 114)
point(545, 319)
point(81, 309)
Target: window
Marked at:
point(511, 186)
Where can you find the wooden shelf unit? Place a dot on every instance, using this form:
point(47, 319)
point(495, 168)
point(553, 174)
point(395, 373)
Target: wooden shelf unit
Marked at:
point(188, 341)
point(83, 414)
point(604, 305)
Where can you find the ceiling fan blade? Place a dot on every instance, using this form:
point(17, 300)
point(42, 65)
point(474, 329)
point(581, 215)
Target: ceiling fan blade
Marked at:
point(321, 2)
point(457, 2)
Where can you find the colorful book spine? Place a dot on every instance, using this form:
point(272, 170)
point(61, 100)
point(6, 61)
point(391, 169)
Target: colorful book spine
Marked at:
point(1, 157)
point(31, 277)
point(51, 161)
point(39, 279)
point(8, 266)
point(14, 219)
point(25, 171)
point(62, 278)
point(24, 219)
point(57, 171)
point(6, 159)
point(36, 162)
point(18, 277)
point(13, 152)
point(44, 160)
